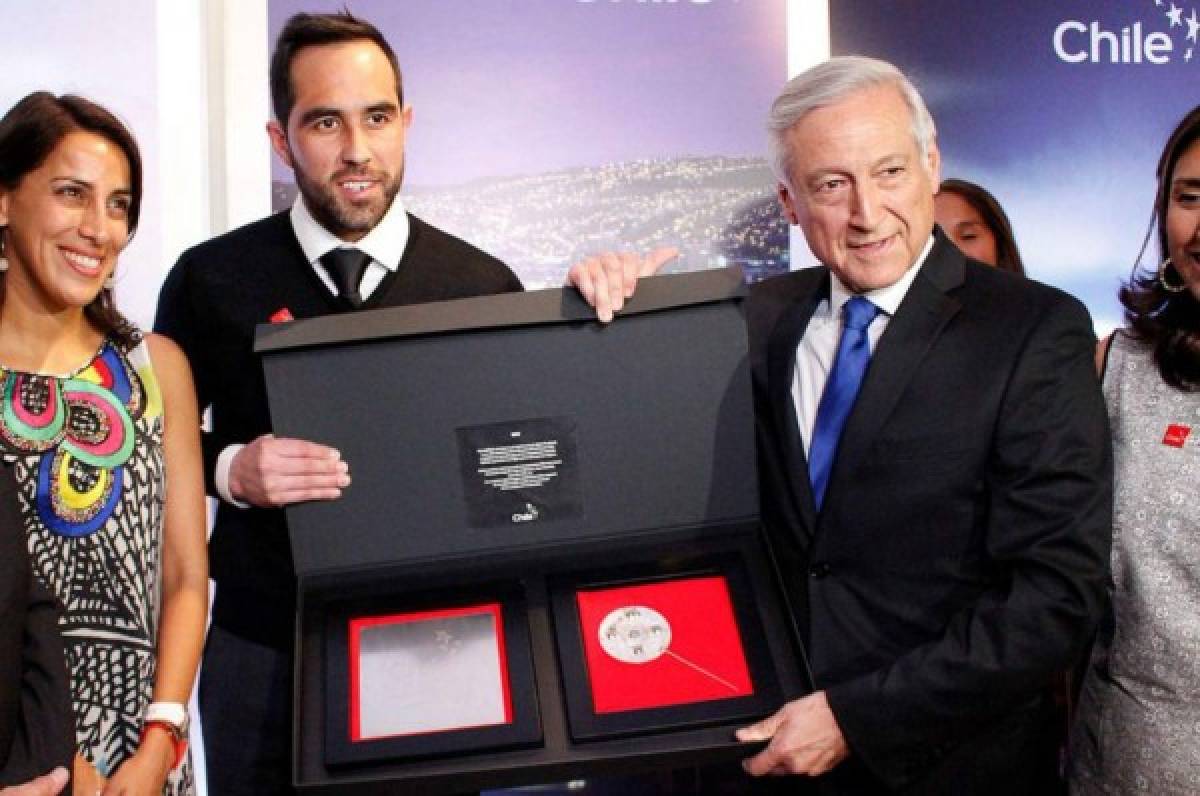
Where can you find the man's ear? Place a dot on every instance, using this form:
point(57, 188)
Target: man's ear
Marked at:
point(789, 203)
point(4, 200)
point(406, 117)
point(933, 160)
point(279, 142)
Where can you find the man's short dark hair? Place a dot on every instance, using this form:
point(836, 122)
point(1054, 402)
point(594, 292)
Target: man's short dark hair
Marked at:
point(314, 30)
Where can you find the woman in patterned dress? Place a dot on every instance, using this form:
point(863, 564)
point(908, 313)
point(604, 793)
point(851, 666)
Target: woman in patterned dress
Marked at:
point(99, 426)
point(1138, 725)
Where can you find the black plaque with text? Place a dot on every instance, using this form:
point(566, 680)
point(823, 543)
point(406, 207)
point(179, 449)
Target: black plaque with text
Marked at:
point(520, 471)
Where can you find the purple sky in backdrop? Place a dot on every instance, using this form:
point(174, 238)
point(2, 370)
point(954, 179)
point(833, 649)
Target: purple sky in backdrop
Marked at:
point(511, 87)
point(1069, 149)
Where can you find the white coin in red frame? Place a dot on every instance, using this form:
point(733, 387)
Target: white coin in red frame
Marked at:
point(635, 634)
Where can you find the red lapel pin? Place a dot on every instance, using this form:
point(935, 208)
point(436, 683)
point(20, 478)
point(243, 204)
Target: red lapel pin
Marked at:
point(1176, 435)
point(282, 315)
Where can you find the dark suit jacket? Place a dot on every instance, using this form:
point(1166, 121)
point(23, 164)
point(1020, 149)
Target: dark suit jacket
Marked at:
point(37, 727)
point(211, 302)
point(961, 556)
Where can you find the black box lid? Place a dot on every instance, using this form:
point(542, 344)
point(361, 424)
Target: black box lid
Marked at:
point(507, 423)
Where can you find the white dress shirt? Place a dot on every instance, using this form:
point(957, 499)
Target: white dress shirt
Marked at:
point(818, 346)
point(384, 244)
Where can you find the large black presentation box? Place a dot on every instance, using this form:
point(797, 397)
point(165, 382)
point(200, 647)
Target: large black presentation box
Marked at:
point(555, 519)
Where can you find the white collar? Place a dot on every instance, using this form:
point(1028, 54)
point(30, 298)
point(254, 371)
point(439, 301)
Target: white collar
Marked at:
point(385, 243)
point(885, 298)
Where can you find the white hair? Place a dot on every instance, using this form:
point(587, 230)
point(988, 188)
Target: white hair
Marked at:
point(829, 83)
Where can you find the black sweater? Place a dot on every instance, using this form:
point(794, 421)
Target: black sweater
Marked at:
point(211, 302)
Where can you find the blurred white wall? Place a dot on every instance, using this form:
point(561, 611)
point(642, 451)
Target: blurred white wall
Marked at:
point(172, 70)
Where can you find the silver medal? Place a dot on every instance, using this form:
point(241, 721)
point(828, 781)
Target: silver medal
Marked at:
point(635, 634)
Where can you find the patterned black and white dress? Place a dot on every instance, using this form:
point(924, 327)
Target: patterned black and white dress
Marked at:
point(87, 454)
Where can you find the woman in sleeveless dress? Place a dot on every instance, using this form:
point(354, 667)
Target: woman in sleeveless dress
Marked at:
point(98, 424)
point(1137, 729)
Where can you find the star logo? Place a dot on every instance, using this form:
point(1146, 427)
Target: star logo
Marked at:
point(445, 640)
point(1183, 15)
point(1151, 41)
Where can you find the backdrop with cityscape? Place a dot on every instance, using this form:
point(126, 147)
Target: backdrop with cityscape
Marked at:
point(556, 128)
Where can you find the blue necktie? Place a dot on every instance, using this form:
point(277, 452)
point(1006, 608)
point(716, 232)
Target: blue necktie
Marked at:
point(849, 367)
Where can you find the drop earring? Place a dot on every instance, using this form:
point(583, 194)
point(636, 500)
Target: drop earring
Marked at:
point(1162, 278)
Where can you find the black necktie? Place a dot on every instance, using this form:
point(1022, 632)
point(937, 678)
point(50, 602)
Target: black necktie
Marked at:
point(346, 266)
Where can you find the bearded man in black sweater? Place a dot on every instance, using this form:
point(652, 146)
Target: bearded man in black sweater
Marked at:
point(346, 244)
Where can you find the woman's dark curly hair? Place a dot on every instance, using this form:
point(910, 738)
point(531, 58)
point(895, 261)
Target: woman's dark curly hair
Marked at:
point(1170, 322)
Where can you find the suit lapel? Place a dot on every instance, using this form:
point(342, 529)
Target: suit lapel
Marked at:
point(781, 353)
point(910, 334)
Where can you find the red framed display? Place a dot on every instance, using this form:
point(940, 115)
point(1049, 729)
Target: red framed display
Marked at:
point(428, 671)
point(418, 677)
point(661, 644)
point(663, 651)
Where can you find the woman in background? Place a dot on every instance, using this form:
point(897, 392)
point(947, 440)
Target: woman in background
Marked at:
point(98, 424)
point(975, 221)
point(1137, 729)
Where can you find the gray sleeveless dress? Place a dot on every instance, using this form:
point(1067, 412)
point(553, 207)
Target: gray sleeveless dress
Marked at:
point(1137, 729)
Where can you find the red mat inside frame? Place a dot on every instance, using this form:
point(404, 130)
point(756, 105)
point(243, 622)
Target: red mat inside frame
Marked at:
point(705, 660)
